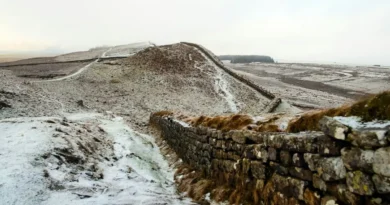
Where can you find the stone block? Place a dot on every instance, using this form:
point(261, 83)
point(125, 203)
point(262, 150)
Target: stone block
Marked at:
point(312, 160)
point(258, 138)
point(333, 128)
point(381, 164)
point(331, 169)
point(272, 154)
point(318, 182)
point(341, 192)
point(329, 200)
point(301, 142)
point(311, 197)
point(285, 158)
point(301, 173)
point(279, 169)
point(239, 137)
point(261, 153)
point(357, 159)
point(328, 146)
point(360, 183)
point(382, 184)
point(258, 170)
point(368, 139)
point(298, 160)
point(249, 152)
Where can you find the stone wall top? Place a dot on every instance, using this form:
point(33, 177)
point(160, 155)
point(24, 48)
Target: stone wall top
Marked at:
point(287, 168)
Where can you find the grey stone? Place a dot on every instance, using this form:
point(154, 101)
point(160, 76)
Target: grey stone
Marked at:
point(258, 170)
point(239, 137)
point(298, 160)
point(318, 182)
point(312, 160)
point(331, 169)
point(329, 200)
point(300, 173)
point(328, 146)
point(279, 169)
point(360, 183)
point(272, 154)
point(368, 139)
point(382, 184)
point(341, 192)
point(357, 159)
point(285, 158)
point(302, 142)
point(333, 128)
point(381, 164)
point(261, 153)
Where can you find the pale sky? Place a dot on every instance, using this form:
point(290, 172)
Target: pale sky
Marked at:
point(355, 31)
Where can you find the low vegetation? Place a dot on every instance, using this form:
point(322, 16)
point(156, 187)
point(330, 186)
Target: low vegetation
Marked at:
point(236, 122)
point(375, 107)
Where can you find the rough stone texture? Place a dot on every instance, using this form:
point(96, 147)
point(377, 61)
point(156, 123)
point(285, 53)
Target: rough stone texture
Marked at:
point(279, 169)
point(333, 128)
point(298, 160)
point(381, 164)
point(382, 184)
point(368, 139)
point(285, 157)
point(357, 159)
point(258, 170)
point(311, 197)
point(272, 154)
point(341, 192)
point(301, 173)
point(331, 169)
point(360, 183)
point(312, 160)
point(285, 168)
point(318, 182)
point(329, 200)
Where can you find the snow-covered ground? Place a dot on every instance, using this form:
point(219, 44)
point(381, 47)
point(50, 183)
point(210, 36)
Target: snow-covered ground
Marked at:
point(126, 50)
point(357, 123)
point(81, 159)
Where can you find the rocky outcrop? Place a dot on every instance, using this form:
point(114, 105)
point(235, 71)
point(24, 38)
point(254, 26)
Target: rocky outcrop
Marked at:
point(324, 167)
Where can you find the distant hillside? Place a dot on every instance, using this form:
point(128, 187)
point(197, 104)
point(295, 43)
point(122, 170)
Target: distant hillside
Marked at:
point(247, 58)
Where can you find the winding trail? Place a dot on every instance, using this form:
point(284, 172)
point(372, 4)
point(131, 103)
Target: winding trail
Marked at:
point(76, 73)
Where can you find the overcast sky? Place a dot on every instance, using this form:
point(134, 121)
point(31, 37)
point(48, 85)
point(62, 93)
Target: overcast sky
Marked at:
point(356, 31)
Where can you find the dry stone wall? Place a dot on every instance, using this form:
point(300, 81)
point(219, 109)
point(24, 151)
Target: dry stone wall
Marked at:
point(337, 166)
point(275, 101)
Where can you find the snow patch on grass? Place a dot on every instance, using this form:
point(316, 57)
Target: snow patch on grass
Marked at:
point(356, 122)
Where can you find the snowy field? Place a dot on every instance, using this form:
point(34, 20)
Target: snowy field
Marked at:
point(82, 159)
point(324, 85)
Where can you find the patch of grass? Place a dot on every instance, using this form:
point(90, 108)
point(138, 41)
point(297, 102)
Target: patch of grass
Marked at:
point(163, 113)
point(224, 123)
point(374, 107)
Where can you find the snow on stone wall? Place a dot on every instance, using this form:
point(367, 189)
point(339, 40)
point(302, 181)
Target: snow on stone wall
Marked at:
point(340, 165)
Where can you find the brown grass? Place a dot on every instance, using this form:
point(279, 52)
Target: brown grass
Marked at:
point(373, 107)
point(163, 113)
point(224, 123)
